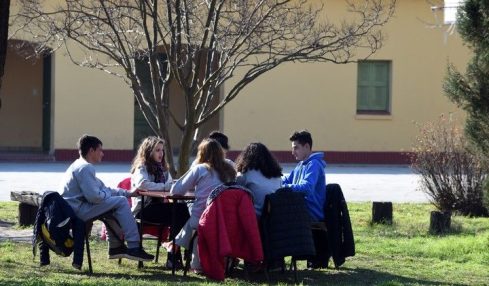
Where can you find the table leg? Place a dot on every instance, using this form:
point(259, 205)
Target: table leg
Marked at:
point(173, 214)
point(140, 263)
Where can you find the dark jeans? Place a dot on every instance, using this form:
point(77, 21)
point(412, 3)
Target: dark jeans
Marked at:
point(161, 213)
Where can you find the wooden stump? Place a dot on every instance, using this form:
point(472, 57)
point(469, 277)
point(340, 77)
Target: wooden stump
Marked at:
point(440, 222)
point(382, 212)
point(27, 214)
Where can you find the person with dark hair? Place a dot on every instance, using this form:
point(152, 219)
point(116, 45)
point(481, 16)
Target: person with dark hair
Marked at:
point(308, 176)
point(209, 171)
point(90, 198)
point(149, 172)
point(259, 172)
point(224, 141)
point(221, 138)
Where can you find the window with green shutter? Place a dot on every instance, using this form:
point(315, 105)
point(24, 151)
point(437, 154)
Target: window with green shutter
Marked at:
point(373, 87)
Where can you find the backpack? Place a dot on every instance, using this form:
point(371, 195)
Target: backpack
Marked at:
point(58, 237)
point(53, 226)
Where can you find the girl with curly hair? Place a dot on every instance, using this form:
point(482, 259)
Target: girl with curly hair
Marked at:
point(149, 172)
point(258, 171)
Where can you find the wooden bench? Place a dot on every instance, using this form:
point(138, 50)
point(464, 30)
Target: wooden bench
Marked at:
point(28, 206)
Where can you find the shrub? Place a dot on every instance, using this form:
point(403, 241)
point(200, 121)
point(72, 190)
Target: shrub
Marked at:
point(452, 173)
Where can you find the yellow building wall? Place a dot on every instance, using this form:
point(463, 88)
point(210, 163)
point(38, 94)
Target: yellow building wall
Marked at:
point(321, 97)
point(90, 101)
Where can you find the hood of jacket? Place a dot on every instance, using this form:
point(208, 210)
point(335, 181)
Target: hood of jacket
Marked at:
point(318, 156)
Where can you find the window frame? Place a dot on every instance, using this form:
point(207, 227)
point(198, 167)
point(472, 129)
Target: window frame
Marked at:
point(388, 109)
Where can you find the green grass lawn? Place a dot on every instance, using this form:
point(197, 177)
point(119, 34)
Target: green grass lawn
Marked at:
point(401, 254)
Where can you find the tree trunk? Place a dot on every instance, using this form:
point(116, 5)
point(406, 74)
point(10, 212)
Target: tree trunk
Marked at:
point(185, 150)
point(382, 212)
point(440, 222)
point(4, 17)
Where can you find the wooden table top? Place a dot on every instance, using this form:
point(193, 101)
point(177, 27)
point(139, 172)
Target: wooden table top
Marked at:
point(167, 195)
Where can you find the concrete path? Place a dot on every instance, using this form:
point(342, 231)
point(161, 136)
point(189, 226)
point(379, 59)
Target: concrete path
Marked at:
point(359, 183)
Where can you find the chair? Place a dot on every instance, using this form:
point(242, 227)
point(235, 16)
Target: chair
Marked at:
point(157, 230)
point(285, 228)
point(108, 220)
point(228, 228)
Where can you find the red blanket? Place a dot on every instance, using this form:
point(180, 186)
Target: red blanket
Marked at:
point(228, 228)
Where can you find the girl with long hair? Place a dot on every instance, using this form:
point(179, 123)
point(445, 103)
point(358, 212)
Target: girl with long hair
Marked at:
point(149, 172)
point(259, 172)
point(209, 171)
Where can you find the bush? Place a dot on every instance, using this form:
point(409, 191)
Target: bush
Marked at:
point(452, 173)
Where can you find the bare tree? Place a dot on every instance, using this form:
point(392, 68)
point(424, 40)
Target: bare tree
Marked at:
point(199, 45)
point(4, 17)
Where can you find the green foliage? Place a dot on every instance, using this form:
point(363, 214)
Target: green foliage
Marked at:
point(470, 91)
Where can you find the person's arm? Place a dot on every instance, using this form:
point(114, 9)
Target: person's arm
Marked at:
point(308, 181)
point(140, 179)
point(187, 182)
point(288, 179)
point(92, 188)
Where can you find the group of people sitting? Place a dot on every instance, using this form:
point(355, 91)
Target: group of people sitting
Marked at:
point(255, 169)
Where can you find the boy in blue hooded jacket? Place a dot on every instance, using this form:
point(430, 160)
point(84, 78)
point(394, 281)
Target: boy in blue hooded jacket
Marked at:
point(308, 176)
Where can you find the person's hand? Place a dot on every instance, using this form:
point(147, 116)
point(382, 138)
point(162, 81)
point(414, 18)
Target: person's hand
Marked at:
point(134, 193)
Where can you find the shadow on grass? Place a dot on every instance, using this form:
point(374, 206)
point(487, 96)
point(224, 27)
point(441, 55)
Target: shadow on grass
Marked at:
point(343, 276)
point(156, 274)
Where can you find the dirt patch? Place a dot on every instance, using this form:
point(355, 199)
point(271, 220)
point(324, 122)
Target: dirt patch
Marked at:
point(9, 231)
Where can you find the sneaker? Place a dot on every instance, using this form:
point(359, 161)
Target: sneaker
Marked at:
point(76, 266)
point(117, 252)
point(138, 254)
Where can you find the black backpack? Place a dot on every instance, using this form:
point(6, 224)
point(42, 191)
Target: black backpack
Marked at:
point(53, 225)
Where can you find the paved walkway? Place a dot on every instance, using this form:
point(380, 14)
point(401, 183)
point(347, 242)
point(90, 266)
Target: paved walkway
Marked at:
point(359, 183)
